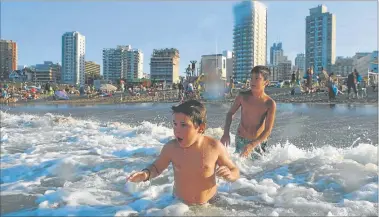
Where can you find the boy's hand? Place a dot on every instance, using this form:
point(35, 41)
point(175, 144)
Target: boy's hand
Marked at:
point(246, 151)
point(223, 172)
point(137, 177)
point(225, 139)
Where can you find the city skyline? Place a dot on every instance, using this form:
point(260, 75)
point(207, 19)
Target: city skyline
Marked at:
point(286, 24)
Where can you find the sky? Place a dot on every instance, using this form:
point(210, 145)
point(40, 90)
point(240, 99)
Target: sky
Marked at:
point(195, 28)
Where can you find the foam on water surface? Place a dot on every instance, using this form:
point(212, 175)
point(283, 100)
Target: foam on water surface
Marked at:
point(55, 165)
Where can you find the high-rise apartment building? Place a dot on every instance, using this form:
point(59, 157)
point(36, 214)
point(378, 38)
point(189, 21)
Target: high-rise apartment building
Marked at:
point(122, 62)
point(300, 62)
point(134, 64)
point(278, 57)
point(275, 50)
point(249, 37)
point(284, 69)
point(164, 65)
point(320, 39)
point(73, 58)
point(229, 55)
point(92, 72)
point(8, 58)
point(343, 66)
point(92, 69)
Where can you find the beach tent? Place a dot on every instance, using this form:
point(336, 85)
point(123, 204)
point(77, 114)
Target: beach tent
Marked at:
point(60, 95)
point(372, 78)
point(108, 87)
point(297, 90)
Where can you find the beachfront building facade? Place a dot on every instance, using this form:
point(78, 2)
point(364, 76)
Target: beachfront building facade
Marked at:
point(365, 61)
point(213, 63)
point(278, 57)
point(92, 71)
point(374, 62)
point(300, 62)
point(343, 66)
point(284, 69)
point(134, 67)
point(8, 58)
point(274, 73)
point(249, 38)
point(73, 58)
point(114, 62)
point(164, 65)
point(276, 53)
point(229, 55)
point(320, 39)
point(47, 72)
point(122, 62)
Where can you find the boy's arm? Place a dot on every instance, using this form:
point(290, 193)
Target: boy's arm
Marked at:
point(224, 160)
point(229, 116)
point(162, 162)
point(269, 124)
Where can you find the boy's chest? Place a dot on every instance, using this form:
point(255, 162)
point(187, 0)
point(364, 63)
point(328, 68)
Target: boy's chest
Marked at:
point(194, 162)
point(256, 106)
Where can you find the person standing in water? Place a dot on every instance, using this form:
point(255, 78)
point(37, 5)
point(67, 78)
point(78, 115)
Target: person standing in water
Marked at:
point(257, 115)
point(298, 76)
point(194, 158)
point(352, 83)
point(231, 86)
point(293, 79)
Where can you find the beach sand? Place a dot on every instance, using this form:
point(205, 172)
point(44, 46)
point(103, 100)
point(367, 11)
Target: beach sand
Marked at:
point(280, 95)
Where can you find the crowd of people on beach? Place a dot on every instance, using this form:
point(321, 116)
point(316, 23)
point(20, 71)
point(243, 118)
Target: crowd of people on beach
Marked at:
point(204, 88)
point(332, 84)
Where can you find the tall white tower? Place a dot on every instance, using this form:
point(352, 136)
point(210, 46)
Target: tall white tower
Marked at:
point(73, 58)
point(249, 37)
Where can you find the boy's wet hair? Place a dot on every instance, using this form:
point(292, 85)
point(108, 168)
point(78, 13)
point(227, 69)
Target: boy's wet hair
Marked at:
point(263, 70)
point(193, 109)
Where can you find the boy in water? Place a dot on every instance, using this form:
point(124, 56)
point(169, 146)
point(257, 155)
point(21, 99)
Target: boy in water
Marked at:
point(194, 157)
point(257, 115)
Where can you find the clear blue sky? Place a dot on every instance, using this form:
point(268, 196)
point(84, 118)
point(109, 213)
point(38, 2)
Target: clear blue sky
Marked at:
point(190, 26)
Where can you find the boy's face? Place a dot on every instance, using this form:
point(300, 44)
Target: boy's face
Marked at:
point(257, 83)
point(186, 133)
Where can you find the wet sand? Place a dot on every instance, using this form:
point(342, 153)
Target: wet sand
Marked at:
point(303, 124)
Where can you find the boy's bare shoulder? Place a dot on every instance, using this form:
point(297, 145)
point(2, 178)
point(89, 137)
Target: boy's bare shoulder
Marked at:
point(214, 143)
point(244, 94)
point(170, 145)
point(269, 101)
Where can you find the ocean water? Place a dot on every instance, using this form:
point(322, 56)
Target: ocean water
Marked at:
point(62, 160)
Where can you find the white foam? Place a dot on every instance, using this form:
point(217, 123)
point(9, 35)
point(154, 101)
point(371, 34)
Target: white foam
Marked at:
point(79, 167)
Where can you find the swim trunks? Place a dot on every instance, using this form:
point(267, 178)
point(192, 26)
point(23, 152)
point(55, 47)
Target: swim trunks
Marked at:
point(211, 201)
point(242, 142)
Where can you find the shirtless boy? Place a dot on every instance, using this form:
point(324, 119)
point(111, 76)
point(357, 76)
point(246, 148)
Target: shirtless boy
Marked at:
point(194, 157)
point(257, 115)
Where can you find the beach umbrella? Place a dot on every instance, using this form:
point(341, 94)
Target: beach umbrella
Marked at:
point(108, 87)
point(61, 95)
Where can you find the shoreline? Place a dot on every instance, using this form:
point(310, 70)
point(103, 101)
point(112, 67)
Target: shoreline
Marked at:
point(315, 99)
